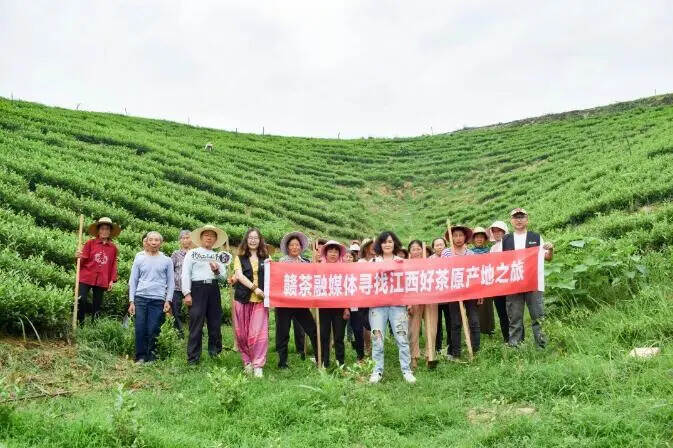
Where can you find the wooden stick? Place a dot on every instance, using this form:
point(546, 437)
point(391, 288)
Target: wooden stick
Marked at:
point(231, 293)
point(317, 318)
point(463, 315)
point(77, 269)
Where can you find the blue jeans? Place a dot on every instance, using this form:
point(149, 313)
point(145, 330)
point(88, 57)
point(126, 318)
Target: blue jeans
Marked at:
point(378, 319)
point(149, 317)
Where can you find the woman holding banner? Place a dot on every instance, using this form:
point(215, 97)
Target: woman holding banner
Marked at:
point(251, 317)
point(386, 246)
point(333, 320)
point(292, 245)
point(427, 313)
point(443, 311)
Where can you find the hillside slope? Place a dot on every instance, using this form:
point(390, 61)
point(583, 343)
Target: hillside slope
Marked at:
point(604, 172)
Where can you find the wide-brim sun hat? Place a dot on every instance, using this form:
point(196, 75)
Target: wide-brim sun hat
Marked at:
point(497, 225)
point(222, 237)
point(465, 229)
point(480, 230)
point(303, 241)
point(115, 229)
point(333, 243)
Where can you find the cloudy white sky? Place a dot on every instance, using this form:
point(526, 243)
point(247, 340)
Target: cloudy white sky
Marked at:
point(317, 68)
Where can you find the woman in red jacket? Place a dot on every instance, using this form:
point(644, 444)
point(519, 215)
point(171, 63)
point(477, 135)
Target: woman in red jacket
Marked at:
point(98, 269)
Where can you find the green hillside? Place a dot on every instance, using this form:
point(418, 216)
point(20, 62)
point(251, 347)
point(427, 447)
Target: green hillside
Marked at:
point(603, 173)
point(597, 183)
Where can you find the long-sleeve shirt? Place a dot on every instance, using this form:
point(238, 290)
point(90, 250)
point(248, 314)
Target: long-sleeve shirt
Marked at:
point(98, 265)
point(196, 267)
point(449, 253)
point(178, 259)
point(151, 277)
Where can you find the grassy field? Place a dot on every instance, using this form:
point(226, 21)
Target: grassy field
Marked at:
point(596, 182)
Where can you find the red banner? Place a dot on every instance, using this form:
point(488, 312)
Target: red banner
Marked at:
point(405, 282)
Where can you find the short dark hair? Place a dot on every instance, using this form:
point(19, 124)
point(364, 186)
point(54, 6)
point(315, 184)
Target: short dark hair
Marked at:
point(383, 236)
point(293, 238)
point(440, 238)
point(412, 242)
point(355, 254)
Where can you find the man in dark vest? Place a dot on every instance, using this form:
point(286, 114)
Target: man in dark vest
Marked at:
point(522, 238)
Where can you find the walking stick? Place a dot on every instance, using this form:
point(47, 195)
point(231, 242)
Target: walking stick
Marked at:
point(231, 294)
point(463, 315)
point(317, 319)
point(77, 269)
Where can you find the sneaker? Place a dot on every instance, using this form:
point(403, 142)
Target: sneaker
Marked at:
point(432, 365)
point(259, 373)
point(409, 378)
point(247, 369)
point(452, 358)
point(140, 361)
point(375, 378)
point(283, 366)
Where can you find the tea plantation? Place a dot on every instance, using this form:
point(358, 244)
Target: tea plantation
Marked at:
point(595, 182)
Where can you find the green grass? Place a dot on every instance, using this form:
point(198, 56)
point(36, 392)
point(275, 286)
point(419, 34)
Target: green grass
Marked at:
point(595, 182)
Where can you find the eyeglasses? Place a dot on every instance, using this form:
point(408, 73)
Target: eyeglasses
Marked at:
point(253, 238)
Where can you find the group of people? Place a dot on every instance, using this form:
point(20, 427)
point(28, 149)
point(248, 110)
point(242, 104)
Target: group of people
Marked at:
point(159, 285)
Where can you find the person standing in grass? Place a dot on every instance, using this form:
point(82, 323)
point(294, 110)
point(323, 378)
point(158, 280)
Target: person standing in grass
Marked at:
point(522, 238)
point(386, 246)
point(360, 316)
point(178, 259)
point(98, 268)
point(498, 230)
point(151, 287)
point(250, 315)
point(201, 270)
point(333, 320)
point(427, 313)
point(443, 310)
point(485, 306)
point(461, 235)
point(292, 245)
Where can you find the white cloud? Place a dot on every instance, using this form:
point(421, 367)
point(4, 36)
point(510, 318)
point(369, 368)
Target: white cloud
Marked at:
point(317, 68)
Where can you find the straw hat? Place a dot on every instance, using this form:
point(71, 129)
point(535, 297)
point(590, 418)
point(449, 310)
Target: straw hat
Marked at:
point(115, 229)
point(222, 237)
point(332, 243)
point(497, 225)
point(465, 229)
point(480, 230)
point(303, 241)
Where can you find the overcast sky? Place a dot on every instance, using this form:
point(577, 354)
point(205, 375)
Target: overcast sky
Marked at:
point(317, 68)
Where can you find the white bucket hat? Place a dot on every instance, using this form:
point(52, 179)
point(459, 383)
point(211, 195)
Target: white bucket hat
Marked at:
point(497, 225)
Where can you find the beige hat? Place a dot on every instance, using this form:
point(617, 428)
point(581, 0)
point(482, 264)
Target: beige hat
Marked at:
point(497, 225)
point(115, 229)
point(480, 230)
point(518, 210)
point(363, 247)
point(222, 237)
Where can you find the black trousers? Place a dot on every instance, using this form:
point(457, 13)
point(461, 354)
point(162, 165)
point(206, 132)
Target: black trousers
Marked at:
point(84, 307)
point(303, 320)
point(206, 308)
point(331, 319)
point(176, 309)
point(443, 311)
point(457, 326)
point(299, 336)
point(359, 322)
point(501, 308)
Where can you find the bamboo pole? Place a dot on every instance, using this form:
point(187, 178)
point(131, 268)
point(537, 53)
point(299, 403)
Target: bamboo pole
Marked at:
point(463, 315)
point(231, 294)
point(317, 316)
point(77, 269)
